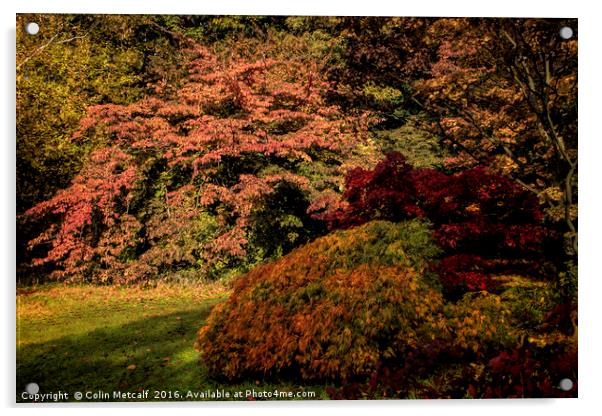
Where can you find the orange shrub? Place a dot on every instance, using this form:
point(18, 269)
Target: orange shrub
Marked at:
point(332, 309)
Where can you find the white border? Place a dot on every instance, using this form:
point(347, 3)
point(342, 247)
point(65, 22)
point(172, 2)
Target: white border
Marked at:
point(507, 8)
point(590, 153)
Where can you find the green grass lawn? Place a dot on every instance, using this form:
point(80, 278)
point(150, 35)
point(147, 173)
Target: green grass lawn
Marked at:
point(91, 339)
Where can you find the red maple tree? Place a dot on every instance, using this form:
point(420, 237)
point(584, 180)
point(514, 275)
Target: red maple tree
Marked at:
point(481, 220)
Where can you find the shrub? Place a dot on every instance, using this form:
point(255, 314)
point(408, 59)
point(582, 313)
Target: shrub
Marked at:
point(481, 220)
point(477, 327)
point(481, 324)
point(383, 193)
point(542, 354)
point(332, 309)
point(531, 371)
point(501, 346)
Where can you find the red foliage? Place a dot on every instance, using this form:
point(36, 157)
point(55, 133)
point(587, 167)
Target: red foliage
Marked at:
point(531, 372)
point(522, 372)
point(98, 198)
point(231, 133)
point(478, 216)
point(463, 272)
point(386, 192)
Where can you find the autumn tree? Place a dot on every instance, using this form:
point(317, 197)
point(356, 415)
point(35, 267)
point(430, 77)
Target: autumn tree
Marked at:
point(75, 61)
point(376, 60)
point(503, 92)
point(181, 182)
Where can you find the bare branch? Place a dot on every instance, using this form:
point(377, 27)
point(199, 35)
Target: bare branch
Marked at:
point(37, 51)
point(41, 48)
point(72, 39)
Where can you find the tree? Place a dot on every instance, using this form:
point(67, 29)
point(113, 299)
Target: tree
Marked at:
point(504, 92)
point(180, 182)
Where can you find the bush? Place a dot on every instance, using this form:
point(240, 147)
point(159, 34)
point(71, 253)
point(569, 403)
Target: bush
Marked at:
point(331, 310)
point(482, 221)
point(477, 327)
point(502, 346)
point(357, 310)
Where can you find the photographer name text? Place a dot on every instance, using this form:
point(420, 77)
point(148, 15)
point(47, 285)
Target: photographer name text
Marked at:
point(167, 395)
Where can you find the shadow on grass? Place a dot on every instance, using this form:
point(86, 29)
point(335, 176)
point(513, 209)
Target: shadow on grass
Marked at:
point(151, 353)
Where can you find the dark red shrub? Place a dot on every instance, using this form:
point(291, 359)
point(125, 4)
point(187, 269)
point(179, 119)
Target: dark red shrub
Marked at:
point(481, 220)
point(531, 371)
point(387, 192)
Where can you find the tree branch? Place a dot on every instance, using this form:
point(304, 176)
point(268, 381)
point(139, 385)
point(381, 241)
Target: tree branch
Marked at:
point(41, 48)
point(37, 51)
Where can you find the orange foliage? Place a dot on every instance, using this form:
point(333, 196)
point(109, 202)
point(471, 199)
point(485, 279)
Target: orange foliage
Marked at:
point(328, 310)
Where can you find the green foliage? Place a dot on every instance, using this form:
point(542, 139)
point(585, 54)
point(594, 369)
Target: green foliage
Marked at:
point(281, 222)
point(482, 324)
point(387, 101)
point(421, 148)
point(529, 301)
point(301, 24)
point(564, 288)
point(209, 29)
point(408, 245)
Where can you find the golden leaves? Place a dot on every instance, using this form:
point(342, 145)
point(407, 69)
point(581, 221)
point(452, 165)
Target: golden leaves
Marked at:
point(554, 193)
point(505, 164)
point(473, 208)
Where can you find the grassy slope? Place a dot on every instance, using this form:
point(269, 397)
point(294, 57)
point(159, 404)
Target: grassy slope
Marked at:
point(89, 338)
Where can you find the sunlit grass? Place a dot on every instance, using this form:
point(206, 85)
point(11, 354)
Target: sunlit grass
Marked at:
point(90, 338)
